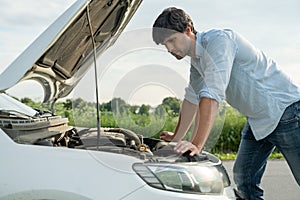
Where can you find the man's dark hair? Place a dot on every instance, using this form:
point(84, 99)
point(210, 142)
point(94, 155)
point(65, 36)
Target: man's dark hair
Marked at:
point(170, 21)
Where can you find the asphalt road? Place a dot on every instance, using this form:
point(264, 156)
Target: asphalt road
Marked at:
point(278, 181)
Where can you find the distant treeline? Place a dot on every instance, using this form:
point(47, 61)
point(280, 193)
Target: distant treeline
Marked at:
point(148, 121)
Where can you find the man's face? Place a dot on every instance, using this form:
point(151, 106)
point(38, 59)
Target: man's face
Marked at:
point(178, 45)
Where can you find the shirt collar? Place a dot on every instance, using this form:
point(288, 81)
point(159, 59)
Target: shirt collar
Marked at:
point(198, 44)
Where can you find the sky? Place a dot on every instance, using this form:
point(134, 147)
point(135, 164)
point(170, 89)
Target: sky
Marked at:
point(272, 26)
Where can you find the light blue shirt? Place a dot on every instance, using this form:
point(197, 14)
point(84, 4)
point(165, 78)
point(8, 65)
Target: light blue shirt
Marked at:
point(228, 67)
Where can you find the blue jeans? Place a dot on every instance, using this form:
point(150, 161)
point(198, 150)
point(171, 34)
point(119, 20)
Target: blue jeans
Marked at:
point(252, 155)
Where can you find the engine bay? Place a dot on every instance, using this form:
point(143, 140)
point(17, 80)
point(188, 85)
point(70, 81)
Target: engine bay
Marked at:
point(54, 131)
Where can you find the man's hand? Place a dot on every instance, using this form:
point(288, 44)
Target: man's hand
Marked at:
point(166, 136)
point(184, 146)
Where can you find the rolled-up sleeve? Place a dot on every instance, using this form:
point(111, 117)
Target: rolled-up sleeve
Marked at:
point(190, 95)
point(218, 58)
point(210, 74)
point(196, 88)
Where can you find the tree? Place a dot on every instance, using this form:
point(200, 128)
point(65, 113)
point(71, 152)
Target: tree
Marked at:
point(106, 107)
point(134, 109)
point(160, 111)
point(118, 106)
point(144, 109)
point(171, 105)
point(68, 104)
point(79, 103)
point(30, 102)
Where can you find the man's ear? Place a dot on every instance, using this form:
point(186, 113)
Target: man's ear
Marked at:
point(188, 30)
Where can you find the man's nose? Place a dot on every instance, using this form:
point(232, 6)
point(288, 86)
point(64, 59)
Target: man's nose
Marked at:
point(170, 48)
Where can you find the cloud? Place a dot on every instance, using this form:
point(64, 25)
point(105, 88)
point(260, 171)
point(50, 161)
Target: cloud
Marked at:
point(30, 12)
point(22, 21)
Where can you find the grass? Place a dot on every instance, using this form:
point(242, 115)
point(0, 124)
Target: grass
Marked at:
point(232, 156)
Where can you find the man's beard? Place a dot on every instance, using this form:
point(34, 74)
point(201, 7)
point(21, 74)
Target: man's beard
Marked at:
point(178, 57)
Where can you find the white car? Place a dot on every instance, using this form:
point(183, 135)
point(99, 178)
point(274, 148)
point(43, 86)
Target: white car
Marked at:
point(42, 157)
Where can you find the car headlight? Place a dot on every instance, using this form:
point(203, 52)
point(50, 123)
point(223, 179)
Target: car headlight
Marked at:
point(197, 178)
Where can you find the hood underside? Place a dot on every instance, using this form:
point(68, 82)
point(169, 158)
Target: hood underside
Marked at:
point(62, 54)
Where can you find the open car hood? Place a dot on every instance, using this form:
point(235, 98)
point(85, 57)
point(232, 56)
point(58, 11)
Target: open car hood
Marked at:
point(63, 53)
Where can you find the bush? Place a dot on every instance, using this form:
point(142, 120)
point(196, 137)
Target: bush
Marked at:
point(230, 137)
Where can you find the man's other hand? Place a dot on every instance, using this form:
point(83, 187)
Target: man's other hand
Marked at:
point(166, 136)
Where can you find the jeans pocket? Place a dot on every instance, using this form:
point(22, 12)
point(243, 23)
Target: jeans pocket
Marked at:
point(291, 114)
point(289, 121)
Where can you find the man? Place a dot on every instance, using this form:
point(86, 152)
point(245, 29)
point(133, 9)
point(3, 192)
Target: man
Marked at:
point(225, 66)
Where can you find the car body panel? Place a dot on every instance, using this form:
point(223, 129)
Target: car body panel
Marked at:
point(47, 172)
point(63, 173)
point(165, 195)
point(86, 173)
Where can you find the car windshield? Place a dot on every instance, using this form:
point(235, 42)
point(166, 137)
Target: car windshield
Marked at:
point(11, 105)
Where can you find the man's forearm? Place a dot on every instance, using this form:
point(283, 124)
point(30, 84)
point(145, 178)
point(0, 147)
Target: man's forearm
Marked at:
point(187, 113)
point(207, 112)
point(195, 129)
